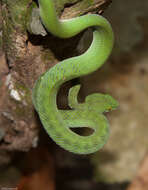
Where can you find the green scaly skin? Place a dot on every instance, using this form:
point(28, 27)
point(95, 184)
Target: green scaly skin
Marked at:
point(90, 113)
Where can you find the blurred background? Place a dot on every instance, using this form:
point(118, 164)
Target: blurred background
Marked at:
point(122, 164)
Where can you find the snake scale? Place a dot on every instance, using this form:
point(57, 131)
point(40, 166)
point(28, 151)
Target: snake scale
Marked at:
point(58, 123)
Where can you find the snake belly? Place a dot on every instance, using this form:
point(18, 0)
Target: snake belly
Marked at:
point(58, 123)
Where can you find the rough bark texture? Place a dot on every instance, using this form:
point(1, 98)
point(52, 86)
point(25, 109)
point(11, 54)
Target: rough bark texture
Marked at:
point(24, 56)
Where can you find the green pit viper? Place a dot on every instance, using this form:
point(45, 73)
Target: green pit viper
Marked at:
point(58, 123)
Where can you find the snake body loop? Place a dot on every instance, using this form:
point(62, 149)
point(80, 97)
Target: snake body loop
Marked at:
point(90, 113)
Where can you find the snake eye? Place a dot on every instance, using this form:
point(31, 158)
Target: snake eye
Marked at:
point(109, 108)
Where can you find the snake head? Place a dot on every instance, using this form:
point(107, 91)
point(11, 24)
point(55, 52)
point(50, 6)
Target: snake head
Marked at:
point(111, 103)
point(101, 102)
point(97, 101)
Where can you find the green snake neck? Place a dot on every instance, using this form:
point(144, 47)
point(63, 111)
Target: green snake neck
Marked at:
point(58, 122)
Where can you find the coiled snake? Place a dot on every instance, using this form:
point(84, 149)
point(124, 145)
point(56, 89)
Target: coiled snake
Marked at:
point(90, 113)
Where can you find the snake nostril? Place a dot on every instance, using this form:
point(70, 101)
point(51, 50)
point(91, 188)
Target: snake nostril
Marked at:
point(82, 131)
